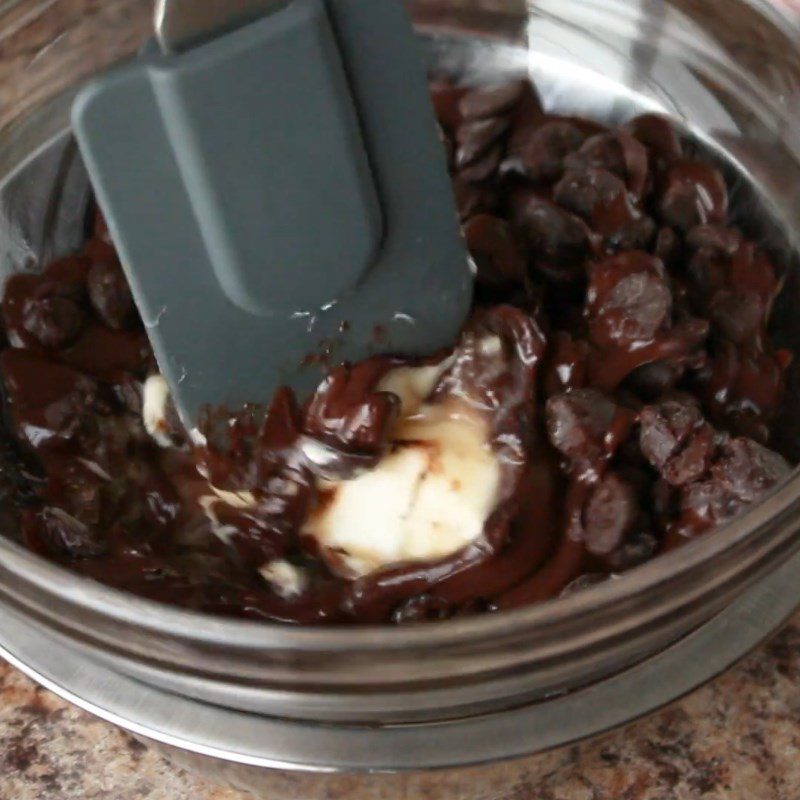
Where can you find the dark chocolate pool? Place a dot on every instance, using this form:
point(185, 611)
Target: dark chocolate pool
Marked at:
point(620, 363)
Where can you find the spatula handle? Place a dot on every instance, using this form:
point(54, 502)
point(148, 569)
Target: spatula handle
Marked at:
point(182, 23)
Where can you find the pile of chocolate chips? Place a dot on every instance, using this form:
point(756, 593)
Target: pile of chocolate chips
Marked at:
point(636, 391)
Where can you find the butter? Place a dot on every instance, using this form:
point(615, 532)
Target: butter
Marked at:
point(428, 498)
point(155, 398)
point(285, 579)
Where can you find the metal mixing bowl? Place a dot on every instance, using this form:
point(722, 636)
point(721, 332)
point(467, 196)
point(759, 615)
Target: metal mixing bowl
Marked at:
point(467, 691)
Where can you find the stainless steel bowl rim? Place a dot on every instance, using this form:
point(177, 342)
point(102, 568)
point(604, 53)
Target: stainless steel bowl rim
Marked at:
point(231, 736)
point(159, 618)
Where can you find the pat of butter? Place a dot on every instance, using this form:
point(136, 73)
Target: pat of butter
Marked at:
point(428, 498)
point(413, 385)
point(155, 397)
point(285, 579)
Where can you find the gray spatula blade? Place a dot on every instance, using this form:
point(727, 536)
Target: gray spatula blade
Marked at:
point(280, 200)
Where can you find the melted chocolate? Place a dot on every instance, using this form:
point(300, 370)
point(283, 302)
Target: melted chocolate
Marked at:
point(629, 401)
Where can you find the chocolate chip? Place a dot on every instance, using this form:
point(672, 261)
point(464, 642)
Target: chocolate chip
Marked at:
point(496, 252)
point(54, 321)
point(628, 231)
point(496, 364)
point(491, 101)
point(110, 295)
point(640, 304)
point(667, 247)
point(707, 275)
point(616, 152)
point(609, 515)
point(666, 427)
point(541, 156)
point(475, 138)
point(582, 191)
point(473, 198)
point(348, 414)
point(551, 232)
point(446, 99)
point(743, 387)
point(63, 534)
point(658, 134)
point(577, 423)
point(676, 440)
point(692, 461)
point(705, 504)
point(741, 476)
point(628, 300)
point(484, 167)
point(651, 381)
point(715, 239)
point(694, 193)
point(737, 315)
point(747, 469)
point(601, 151)
point(526, 116)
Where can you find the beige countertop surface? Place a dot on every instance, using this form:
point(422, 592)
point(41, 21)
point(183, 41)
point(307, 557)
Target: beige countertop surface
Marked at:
point(737, 738)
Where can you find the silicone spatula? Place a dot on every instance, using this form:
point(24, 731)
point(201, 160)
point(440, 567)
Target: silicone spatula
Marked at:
point(272, 176)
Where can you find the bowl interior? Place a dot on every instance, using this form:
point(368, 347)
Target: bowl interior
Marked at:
point(586, 58)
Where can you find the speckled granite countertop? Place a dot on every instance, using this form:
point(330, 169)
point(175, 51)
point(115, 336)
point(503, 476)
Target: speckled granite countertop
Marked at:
point(735, 739)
